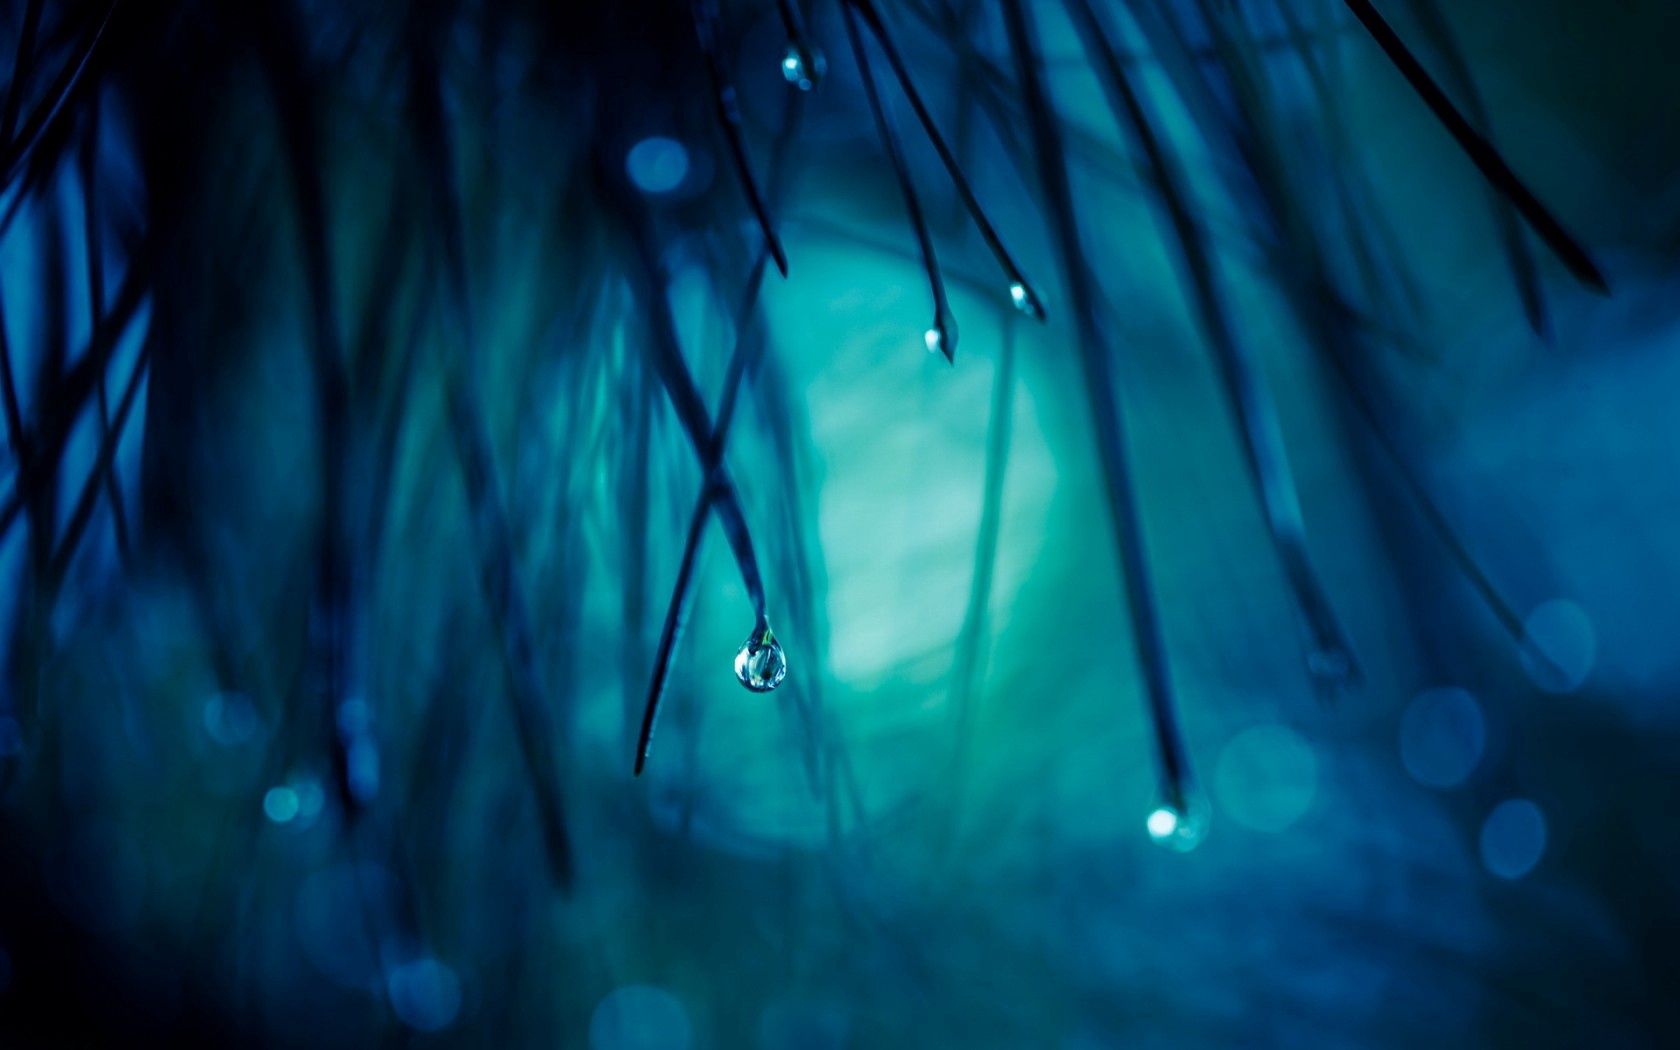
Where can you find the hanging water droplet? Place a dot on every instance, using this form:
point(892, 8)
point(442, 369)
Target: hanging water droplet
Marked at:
point(1026, 301)
point(760, 663)
point(1177, 824)
point(934, 339)
point(803, 66)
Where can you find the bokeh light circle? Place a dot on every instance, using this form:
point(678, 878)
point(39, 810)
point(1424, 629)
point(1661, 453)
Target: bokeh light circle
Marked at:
point(1266, 778)
point(657, 164)
point(1567, 646)
point(639, 1017)
point(1513, 838)
point(1442, 737)
point(280, 804)
point(425, 994)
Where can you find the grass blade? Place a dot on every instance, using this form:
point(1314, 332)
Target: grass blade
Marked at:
point(1267, 459)
point(1105, 411)
point(706, 25)
point(1028, 301)
point(942, 334)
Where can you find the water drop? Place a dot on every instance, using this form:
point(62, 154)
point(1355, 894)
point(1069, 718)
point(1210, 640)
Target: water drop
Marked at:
point(933, 340)
point(760, 663)
point(1026, 301)
point(803, 67)
point(1178, 824)
point(657, 164)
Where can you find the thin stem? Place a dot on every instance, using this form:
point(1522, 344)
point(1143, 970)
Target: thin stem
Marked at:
point(1480, 151)
point(17, 150)
point(1265, 455)
point(942, 336)
point(96, 309)
point(109, 439)
point(1030, 304)
point(504, 597)
point(1523, 270)
point(1105, 411)
point(706, 26)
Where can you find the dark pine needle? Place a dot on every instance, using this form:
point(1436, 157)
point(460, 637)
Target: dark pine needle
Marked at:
point(942, 336)
point(1480, 151)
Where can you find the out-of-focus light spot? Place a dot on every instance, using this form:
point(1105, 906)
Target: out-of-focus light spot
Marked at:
point(231, 719)
point(802, 67)
point(1513, 838)
point(295, 803)
point(280, 804)
point(355, 717)
point(1567, 646)
point(362, 768)
point(1442, 735)
point(11, 737)
point(310, 799)
point(425, 994)
point(1266, 778)
point(1179, 826)
point(335, 908)
point(657, 164)
point(639, 1017)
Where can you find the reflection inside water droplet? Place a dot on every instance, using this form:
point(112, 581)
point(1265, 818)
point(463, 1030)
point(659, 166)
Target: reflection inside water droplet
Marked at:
point(1178, 824)
point(760, 663)
point(1026, 301)
point(803, 67)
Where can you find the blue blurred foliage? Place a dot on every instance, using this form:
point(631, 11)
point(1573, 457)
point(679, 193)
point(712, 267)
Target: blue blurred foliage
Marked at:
point(934, 833)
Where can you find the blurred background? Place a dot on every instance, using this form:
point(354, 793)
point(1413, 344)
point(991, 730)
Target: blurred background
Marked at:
point(361, 363)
